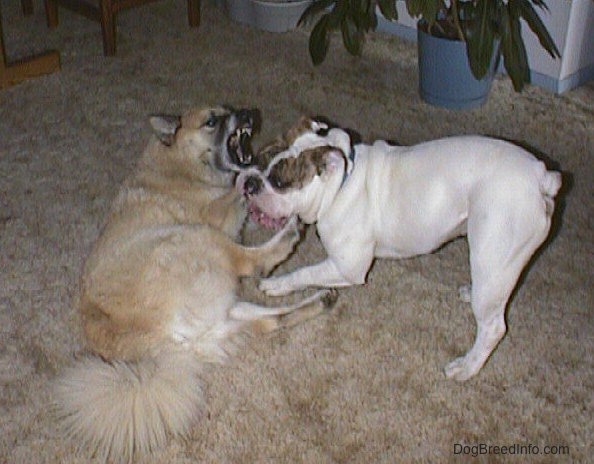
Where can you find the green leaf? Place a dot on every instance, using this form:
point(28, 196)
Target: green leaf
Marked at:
point(515, 58)
point(369, 16)
point(357, 13)
point(352, 36)
point(319, 40)
point(388, 9)
point(431, 9)
point(425, 9)
point(313, 10)
point(342, 9)
point(480, 37)
point(531, 17)
point(414, 7)
point(541, 4)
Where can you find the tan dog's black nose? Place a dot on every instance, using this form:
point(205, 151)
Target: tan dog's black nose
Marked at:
point(249, 118)
point(252, 185)
point(245, 117)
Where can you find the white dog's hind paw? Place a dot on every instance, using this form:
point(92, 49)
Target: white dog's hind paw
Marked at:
point(465, 293)
point(273, 286)
point(459, 370)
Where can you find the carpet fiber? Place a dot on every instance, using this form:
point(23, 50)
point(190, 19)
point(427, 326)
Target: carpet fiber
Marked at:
point(363, 384)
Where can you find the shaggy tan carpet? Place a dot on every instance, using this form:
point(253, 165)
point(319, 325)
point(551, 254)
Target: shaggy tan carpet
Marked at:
point(363, 384)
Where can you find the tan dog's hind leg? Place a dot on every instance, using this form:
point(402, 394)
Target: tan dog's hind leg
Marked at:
point(261, 260)
point(270, 319)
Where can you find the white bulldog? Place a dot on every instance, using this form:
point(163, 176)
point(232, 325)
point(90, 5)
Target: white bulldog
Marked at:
point(386, 201)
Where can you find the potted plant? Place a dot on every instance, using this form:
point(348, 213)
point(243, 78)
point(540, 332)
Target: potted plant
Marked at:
point(484, 30)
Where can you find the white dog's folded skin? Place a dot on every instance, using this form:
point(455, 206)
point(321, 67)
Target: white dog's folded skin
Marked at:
point(387, 201)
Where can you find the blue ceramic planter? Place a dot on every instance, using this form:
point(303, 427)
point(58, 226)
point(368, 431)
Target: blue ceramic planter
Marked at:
point(445, 77)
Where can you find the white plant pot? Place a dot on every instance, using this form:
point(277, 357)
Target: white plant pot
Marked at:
point(241, 11)
point(268, 15)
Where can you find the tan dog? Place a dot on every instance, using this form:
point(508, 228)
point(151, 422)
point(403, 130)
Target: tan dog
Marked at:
point(158, 294)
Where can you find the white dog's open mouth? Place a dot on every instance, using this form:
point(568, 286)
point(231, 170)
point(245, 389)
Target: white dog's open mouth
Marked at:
point(260, 217)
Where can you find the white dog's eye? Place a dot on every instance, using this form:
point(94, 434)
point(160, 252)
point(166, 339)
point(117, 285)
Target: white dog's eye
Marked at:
point(279, 183)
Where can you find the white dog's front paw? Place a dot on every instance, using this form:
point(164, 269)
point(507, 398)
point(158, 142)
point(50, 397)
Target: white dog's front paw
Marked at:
point(275, 286)
point(460, 370)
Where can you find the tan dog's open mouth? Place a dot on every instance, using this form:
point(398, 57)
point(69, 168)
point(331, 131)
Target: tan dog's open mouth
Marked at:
point(239, 145)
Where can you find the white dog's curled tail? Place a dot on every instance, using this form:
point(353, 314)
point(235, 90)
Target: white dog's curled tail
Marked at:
point(550, 183)
point(123, 409)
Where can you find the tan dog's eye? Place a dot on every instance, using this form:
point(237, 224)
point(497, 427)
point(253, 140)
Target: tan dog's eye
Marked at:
point(211, 122)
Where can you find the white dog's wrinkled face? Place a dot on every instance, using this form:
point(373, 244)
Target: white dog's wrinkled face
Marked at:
point(292, 176)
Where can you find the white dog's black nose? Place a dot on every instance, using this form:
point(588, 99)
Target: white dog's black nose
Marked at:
point(252, 185)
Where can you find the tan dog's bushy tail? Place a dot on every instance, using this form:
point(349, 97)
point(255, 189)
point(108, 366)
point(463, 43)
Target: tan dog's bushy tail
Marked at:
point(123, 409)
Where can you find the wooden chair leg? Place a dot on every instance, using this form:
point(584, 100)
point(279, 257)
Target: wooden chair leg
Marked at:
point(26, 68)
point(27, 7)
point(194, 13)
point(108, 27)
point(106, 13)
point(51, 13)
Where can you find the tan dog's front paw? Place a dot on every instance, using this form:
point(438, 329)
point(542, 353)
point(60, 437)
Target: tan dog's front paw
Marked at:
point(275, 286)
point(282, 245)
point(291, 232)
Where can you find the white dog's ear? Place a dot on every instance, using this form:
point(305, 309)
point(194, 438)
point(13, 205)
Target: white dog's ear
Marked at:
point(165, 127)
point(318, 126)
point(334, 161)
point(340, 138)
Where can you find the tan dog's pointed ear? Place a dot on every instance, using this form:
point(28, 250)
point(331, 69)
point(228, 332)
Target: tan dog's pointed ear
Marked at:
point(165, 127)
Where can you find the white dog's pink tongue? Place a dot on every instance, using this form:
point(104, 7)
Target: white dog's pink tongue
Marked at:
point(260, 217)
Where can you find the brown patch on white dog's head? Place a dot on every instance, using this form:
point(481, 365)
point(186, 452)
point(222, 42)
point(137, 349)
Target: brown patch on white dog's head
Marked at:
point(297, 172)
point(267, 153)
